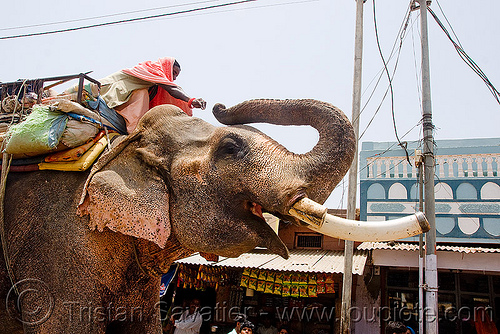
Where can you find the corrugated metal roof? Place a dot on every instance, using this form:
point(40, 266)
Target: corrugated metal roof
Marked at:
point(414, 247)
point(321, 261)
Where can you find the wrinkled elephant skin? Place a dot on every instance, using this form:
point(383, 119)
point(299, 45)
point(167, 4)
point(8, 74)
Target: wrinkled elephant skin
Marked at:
point(94, 245)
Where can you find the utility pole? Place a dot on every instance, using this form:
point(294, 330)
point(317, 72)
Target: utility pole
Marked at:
point(421, 252)
point(345, 319)
point(431, 276)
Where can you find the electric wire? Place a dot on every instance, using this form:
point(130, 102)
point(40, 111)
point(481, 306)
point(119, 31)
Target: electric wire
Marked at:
point(104, 16)
point(261, 6)
point(389, 149)
point(195, 11)
point(129, 20)
point(467, 59)
point(395, 165)
point(449, 24)
point(417, 70)
point(377, 157)
point(403, 145)
point(390, 81)
point(342, 197)
point(401, 36)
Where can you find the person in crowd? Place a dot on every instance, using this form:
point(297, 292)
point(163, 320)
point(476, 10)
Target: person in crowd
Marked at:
point(266, 327)
point(247, 327)
point(133, 91)
point(395, 327)
point(190, 320)
point(283, 330)
point(239, 319)
point(409, 330)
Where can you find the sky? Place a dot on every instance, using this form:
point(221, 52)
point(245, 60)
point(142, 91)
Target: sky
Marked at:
point(284, 49)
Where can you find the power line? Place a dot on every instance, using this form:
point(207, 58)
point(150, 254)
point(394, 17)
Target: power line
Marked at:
point(417, 71)
point(104, 16)
point(381, 154)
point(403, 145)
point(467, 59)
point(400, 36)
point(155, 16)
point(449, 24)
point(263, 6)
point(129, 20)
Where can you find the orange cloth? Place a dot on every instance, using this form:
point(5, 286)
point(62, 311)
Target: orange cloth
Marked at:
point(483, 323)
point(162, 97)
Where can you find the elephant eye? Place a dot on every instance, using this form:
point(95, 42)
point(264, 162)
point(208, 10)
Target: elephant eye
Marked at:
point(231, 146)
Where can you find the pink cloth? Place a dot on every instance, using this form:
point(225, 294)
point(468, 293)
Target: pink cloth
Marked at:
point(160, 71)
point(134, 108)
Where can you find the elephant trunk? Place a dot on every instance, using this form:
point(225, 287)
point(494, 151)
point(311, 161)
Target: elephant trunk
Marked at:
point(325, 165)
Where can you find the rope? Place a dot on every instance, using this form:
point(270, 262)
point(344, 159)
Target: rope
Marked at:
point(6, 160)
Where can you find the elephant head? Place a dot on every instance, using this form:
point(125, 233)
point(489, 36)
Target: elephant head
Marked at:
point(209, 185)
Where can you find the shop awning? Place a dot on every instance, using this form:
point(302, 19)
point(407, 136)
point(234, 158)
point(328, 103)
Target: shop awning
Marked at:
point(453, 257)
point(414, 247)
point(320, 261)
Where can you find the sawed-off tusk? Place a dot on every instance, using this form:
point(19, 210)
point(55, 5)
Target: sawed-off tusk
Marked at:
point(319, 220)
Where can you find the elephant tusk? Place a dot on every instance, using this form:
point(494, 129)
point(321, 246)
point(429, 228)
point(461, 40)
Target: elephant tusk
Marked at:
point(319, 220)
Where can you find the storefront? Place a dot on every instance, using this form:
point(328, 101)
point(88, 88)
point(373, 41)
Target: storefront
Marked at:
point(302, 292)
point(465, 300)
point(468, 281)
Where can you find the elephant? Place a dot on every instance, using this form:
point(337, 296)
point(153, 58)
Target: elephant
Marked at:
point(86, 250)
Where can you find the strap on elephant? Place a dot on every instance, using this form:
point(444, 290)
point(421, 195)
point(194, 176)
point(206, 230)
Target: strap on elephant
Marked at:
point(138, 262)
point(6, 160)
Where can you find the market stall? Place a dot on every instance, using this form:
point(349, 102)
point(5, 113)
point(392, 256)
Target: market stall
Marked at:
point(301, 292)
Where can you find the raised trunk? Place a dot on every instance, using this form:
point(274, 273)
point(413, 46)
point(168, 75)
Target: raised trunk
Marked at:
point(326, 164)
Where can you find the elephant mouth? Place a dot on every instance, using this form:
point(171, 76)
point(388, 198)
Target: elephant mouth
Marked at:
point(271, 240)
point(256, 209)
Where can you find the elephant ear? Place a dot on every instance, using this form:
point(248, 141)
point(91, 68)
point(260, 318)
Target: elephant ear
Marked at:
point(127, 196)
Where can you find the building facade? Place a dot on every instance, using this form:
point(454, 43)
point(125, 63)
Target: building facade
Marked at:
point(467, 193)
